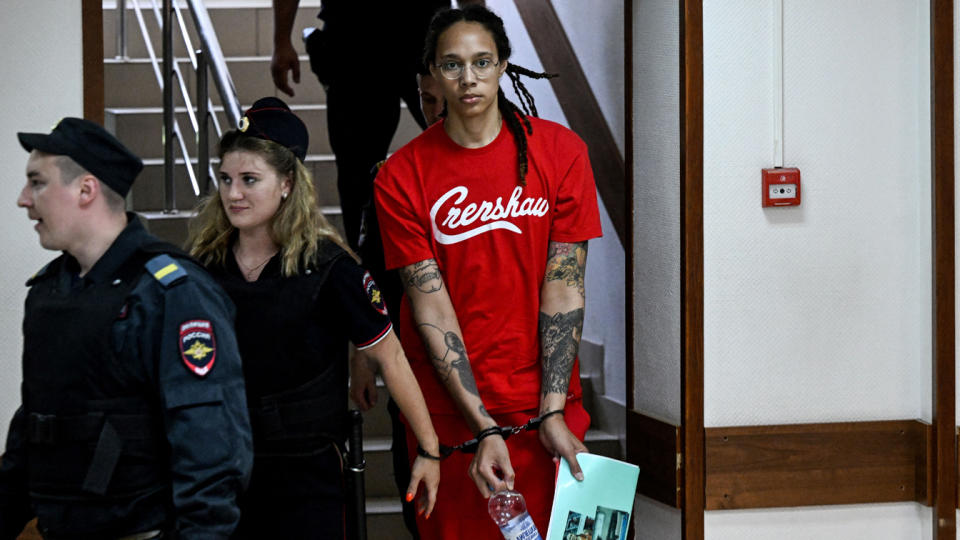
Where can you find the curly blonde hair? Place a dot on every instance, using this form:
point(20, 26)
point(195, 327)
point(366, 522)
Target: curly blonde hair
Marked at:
point(298, 227)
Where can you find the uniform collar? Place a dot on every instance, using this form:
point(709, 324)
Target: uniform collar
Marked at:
point(270, 269)
point(123, 247)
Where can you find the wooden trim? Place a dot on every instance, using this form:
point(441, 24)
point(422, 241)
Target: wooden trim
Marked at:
point(691, 266)
point(817, 464)
point(654, 445)
point(92, 25)
point(942, 155)
point(579, 106)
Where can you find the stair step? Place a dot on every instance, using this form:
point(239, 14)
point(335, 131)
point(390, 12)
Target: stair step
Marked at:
point(132, 82)
point(379, 477)
point(250, 30)
point(384, 519)
point(147, 192)
point(603, 443)
point(173, 227)
point(141, 129)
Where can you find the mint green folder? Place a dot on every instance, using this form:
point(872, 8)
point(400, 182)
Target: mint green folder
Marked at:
point(599, 507)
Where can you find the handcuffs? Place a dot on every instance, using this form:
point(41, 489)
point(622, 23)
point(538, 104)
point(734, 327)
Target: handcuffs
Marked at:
point(470, 446)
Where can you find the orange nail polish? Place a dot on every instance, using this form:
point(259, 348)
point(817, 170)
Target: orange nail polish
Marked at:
point(409, 497)
point(427, 517)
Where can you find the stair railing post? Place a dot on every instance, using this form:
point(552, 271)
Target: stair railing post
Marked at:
point(357, 498)
point(121, 29)
point(169, 201)
point(218, 66)
point(203, 119)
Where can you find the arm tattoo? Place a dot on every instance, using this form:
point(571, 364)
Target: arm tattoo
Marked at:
point(567, 262)
point(559, 342)
point(424, 275)
point(453, 356)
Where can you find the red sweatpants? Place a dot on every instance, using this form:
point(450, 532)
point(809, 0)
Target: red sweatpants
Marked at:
point(461, 512)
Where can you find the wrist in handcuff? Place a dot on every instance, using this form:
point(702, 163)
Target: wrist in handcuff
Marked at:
point(492, 430)
point(548, 414)
point(423, 453)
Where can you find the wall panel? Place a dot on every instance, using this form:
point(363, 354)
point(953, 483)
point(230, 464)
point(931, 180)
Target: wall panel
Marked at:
point(656, 177)
point(656, 238)
point(820, 312)
point(45, 78)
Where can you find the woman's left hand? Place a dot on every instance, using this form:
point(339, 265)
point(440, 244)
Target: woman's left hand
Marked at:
point(363, 382)
point(427, 472)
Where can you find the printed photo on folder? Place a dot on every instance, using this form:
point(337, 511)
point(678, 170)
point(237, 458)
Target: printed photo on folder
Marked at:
point(597, 508)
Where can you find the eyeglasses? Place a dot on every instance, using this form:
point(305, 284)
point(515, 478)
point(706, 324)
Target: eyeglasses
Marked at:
point(453, 70)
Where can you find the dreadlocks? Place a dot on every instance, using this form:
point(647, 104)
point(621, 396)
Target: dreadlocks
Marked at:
point(515, 117)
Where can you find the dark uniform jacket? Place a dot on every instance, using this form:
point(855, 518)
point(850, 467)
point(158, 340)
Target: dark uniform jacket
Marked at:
point(133, 414)
point(293, 332)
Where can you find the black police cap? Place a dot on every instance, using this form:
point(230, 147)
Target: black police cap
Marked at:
point(271, 119)
point(92, 147)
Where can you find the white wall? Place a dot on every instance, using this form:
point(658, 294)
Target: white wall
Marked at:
point(42, 82)
point(604, 320)
point(595, 30)
point(818, 313)
point(656, 242)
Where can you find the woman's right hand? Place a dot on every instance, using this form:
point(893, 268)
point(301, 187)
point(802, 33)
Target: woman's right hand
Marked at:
point(490, 469)
point(427, 472)
point(285, 60)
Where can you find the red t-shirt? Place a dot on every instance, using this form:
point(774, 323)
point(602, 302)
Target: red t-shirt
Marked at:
point(465, 208)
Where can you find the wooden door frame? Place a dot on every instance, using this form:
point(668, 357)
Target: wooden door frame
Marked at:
point(943, 256)
point(91, 21)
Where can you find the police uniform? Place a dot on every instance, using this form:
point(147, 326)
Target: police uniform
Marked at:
point(293, 333)
point(133, 417)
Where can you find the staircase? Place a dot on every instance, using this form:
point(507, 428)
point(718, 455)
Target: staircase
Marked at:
point(134, 113)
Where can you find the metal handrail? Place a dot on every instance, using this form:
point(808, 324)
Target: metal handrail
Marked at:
point(209, 55)
point(221, 75)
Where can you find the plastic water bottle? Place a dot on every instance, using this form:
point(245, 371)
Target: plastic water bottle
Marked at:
point(509, 511)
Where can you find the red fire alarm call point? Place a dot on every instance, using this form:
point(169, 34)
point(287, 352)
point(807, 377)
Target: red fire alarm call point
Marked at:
point(781, 187)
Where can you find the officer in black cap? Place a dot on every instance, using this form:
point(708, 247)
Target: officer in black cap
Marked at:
point(133, 421)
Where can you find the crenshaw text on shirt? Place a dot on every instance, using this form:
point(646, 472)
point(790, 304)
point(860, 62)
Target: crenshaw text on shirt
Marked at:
point(480, 218)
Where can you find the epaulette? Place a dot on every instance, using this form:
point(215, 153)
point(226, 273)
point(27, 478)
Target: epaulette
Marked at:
point(165, 270)
point(43, 271)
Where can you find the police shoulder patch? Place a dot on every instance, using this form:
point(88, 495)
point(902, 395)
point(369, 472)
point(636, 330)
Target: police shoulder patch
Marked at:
point(198, 346)
point(165, 269)
point(374, 294)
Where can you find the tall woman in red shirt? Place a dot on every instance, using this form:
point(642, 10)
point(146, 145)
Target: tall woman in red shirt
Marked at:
point(487, 214)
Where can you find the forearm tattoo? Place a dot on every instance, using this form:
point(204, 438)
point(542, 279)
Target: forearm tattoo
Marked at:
point(424, 276)
point(449, 357)
point(559, 342)
point(567, 262)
